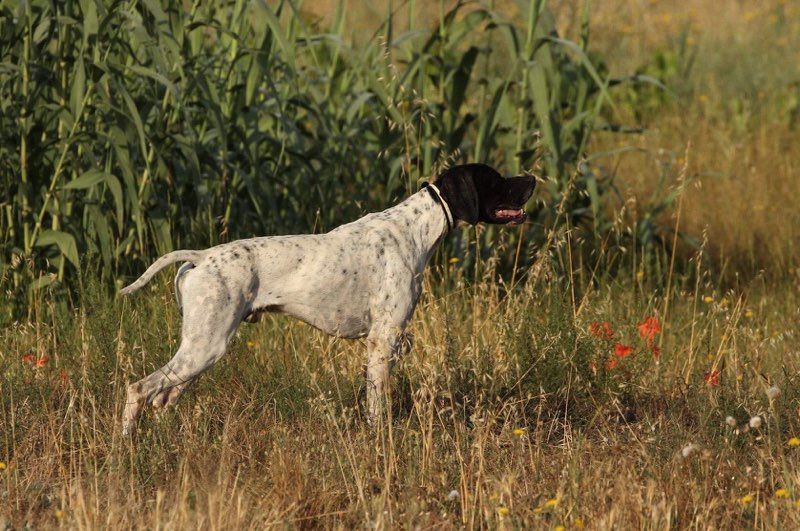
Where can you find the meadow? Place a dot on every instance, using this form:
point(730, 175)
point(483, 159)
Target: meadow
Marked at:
point(627, 359)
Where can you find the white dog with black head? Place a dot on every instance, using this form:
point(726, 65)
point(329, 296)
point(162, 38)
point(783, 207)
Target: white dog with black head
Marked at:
point(362, 279)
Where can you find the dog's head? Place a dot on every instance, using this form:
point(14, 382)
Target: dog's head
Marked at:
point(476, 193)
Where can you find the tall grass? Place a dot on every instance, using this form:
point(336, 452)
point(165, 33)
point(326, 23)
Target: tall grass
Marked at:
point(131, 128)
point(506, 414)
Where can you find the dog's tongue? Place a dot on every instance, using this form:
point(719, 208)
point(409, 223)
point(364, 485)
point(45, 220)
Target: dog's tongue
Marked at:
point(508, 213)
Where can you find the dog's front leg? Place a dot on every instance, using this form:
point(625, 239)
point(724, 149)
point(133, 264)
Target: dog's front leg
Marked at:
point(381, 350)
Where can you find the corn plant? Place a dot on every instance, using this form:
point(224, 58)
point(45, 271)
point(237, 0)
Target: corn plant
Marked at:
point(130, 128)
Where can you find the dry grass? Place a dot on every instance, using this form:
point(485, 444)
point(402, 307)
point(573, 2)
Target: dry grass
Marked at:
point(499, 419)
point(498, 402)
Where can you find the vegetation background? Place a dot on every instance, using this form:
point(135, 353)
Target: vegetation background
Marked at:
point(538, 394)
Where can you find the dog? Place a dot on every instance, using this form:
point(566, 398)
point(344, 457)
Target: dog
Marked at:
point(360, 280)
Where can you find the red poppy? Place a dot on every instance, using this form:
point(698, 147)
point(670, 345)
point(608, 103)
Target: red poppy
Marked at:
point(41, 361)
point(611, 363)
point(28, 358)
point(711, 378)
point(649, 329)
point(622, 351)
point(656, 350)
point(602, 330)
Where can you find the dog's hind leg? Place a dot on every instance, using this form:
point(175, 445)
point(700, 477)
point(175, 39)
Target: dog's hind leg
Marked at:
point(206, 330)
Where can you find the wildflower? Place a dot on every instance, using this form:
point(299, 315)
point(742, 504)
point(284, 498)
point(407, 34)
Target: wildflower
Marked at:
point(453, 260)
point(689, 449)
point(2, 466)
point(730, 421)
point(649, 329)
point(502, 511)
point(622, 351)
point(612, 363)
point(747, 498)
point(656, 350)
point(748, 314)
point(773, 392)
point(28, 358)
point(782, 493)
point(711, 378)
point(708, 298)
point(755, 422)
point(639, 275)
point(519, 432)
point(41, 362)
point(250, 344)
point(559, 528)
point(579, 523)
point(551, 503)
point(794, 441)
point(602, 330)
point(453, 495)
point(59, 514)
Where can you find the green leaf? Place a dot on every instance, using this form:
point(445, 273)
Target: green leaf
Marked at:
point(78, 88)
point(64, 241)
point(87, 180)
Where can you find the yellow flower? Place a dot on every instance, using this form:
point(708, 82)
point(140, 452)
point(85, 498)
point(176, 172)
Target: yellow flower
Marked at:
point(747, 498)
point(559, 528)
point(708, 298)
point(519, 432)
point(502, 511)
point(782, 493)
point(59, 514)
point(639, 275)
point(579, 523)
point(2, 465)
point(794, 441)
point(749, 314)
point(250, 344)
point(453, 260)
point(551, 503)
point(537, 510)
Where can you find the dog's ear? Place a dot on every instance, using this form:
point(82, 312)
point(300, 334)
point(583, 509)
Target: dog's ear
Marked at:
point(461, 194)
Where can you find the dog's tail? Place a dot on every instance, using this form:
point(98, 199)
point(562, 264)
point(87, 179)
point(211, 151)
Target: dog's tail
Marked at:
point(161, 263)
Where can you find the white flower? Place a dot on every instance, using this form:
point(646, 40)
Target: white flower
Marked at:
point(452, 495)
point(773, 392)
point(755, 422)
point(730, 421)
point(689, 449)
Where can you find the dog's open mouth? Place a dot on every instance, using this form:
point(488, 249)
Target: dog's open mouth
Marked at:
point(509, 215)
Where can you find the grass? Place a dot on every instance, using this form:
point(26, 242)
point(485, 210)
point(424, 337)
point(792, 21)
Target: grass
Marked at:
point(506, 414)
point(500, 418)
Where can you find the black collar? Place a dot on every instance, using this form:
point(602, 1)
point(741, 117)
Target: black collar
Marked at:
point(437, 196)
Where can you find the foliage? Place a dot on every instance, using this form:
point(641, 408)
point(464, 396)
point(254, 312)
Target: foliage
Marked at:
point(131, 128)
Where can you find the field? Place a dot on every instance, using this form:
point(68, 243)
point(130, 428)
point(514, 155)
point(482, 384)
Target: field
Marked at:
point(628, 359)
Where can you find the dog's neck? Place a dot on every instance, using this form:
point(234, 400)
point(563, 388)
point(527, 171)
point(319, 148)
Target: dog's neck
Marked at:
point(425, 222)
